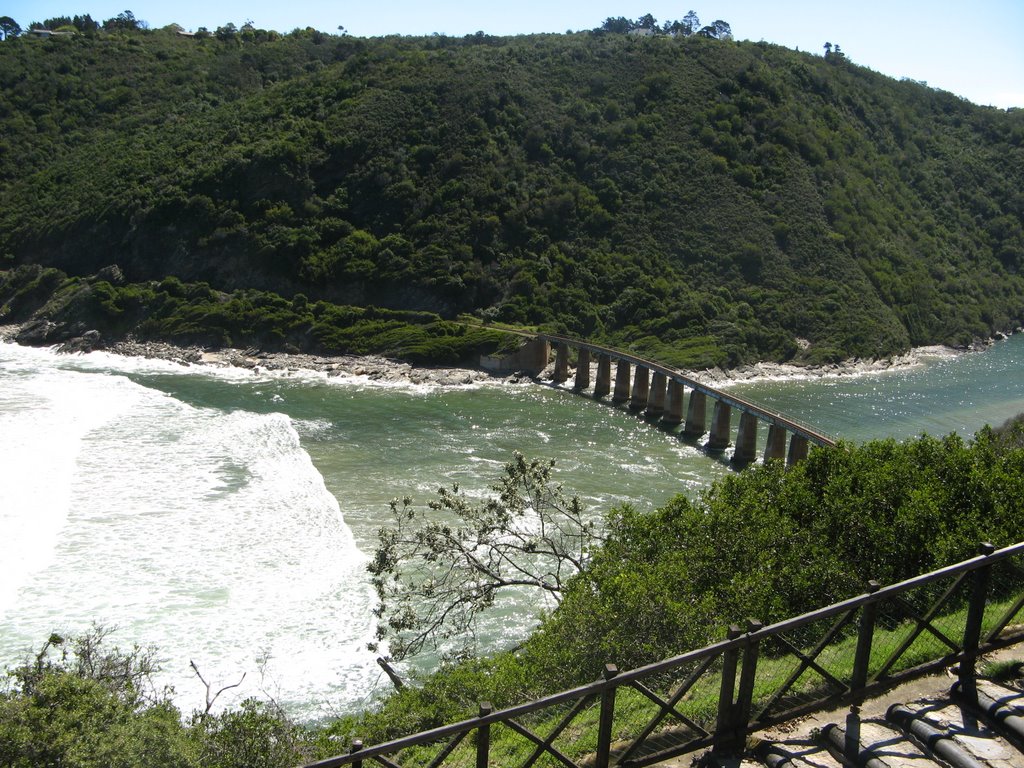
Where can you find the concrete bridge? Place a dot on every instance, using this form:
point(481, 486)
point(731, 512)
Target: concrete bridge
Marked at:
point(657, 392)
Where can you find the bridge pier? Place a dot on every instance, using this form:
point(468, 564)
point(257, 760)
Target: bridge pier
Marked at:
point(656, 402)
point(746, 439)
point(621, 393)
point(775, 448)
point(641, 389)
point(603, 385)
point(696, 415)
point(797, 450)
point(561, 364)
point(718, 440)
point(582, 370)
point(674, 409)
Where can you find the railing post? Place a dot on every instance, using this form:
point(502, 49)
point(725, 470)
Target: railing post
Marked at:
point(745, 696)
point(604, 733)
point(862, 656)
point(975, 618)
point(724, 725)
point(357, 745)
point(483, 736)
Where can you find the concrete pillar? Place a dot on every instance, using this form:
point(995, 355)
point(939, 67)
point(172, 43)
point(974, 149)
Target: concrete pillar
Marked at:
point(603, 385)
point(775, 448)
point(582, 370)
point(674, 409)
point(718, 440)
point(641, 388)
point(696, 415)
point(746, 439)
point(656, 402)
point(621, 393)
point(797, 450)
point(561, 364)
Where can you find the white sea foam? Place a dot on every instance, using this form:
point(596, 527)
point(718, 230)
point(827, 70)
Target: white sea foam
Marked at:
point(209, 535)
point(44, 416)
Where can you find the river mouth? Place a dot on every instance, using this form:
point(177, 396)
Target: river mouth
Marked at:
point(226, 517)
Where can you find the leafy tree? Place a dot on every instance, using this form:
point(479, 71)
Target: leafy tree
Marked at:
point(647, 21)
point(124, 21)
point(691, 23)
point(717, 30)
point(435, 571)
point(53, 23)
point(85, 23)
point(617, 25)
point(226, 32)
point(9, 27)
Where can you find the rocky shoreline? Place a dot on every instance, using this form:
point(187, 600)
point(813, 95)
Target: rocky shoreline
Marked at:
point(385, 370)
point(373, 368)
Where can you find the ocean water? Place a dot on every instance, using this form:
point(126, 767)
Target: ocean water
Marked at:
point(225, 517)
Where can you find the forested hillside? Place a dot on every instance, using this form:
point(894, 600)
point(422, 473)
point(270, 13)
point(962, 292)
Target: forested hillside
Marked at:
point(703, 201)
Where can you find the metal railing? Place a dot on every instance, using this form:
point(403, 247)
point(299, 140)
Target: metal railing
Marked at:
point(757, 677)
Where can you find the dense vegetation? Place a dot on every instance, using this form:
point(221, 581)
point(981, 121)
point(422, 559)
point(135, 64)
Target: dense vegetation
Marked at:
point(65, 307)
point(84, 703)
point(762, 544)
point(703, 201)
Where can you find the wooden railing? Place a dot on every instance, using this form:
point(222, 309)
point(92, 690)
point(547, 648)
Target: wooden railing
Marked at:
point(757, 677)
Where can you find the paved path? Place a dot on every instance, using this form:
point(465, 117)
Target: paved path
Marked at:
point(927, 723)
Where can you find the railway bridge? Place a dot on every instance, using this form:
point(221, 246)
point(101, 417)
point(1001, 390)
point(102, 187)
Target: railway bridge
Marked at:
point(672, 398)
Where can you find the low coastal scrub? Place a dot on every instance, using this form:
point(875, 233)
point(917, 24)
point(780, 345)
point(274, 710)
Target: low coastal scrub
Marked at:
point(769, 543)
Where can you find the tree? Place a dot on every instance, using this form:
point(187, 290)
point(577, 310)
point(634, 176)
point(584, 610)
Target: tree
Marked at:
point(53, 23)
point(828, 49)
point(124, 21)
point(647, 21)
point(717, 30)
point(620, 25)
point(227, 32)
point(9, 27)
point(436, 570)
point(85, 23)
point(691, 23)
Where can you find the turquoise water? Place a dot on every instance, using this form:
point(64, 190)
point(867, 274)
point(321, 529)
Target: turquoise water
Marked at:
point(947, 393)
point(226, 517)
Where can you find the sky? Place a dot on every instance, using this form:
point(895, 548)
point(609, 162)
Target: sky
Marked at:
point(975, 50)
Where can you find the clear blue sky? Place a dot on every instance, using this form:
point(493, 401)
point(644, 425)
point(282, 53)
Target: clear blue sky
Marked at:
point(975, 50)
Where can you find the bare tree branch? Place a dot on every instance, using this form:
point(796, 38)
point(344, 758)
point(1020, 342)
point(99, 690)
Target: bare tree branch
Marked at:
point(210, 700)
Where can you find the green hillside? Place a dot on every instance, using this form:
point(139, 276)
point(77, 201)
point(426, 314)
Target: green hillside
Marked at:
point(706, 202)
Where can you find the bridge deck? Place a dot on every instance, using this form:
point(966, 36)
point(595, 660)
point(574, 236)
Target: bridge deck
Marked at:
point(772, 417)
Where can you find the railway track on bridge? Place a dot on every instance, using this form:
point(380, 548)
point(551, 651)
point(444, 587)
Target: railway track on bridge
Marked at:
point(790, 424)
